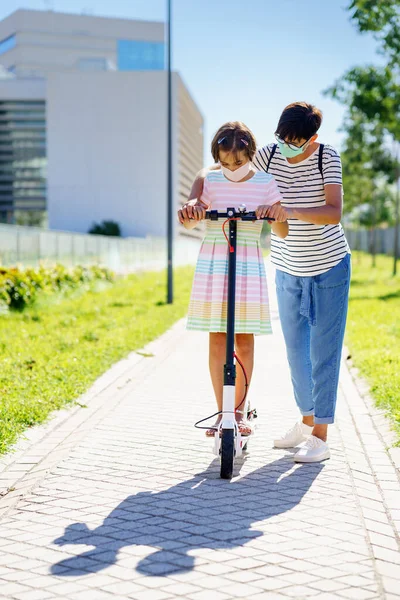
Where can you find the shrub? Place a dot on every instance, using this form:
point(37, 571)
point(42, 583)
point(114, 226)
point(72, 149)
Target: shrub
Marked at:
point(19, 287)
point(106, 228)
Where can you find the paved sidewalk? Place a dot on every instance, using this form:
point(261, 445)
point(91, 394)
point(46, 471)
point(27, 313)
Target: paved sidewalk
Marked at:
point(123, 499)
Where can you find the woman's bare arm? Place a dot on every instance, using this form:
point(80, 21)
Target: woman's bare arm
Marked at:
point(197, 187)
point(198, 183)
point(280, 229)
point(330, 214)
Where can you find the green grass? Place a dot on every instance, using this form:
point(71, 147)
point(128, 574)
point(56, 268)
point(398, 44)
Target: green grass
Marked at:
point(53, 351)
point(373, 330)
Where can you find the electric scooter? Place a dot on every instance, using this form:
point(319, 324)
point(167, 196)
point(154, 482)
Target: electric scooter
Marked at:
point(228, 441)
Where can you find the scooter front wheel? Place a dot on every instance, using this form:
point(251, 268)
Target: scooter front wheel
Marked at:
point(227, 453)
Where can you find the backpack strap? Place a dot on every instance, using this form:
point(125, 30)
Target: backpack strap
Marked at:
point(273, 150)
point(320, 157)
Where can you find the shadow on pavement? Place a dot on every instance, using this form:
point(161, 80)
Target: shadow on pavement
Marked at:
point(203, 512)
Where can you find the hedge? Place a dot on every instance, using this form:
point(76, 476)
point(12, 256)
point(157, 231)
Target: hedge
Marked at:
point(19, 287)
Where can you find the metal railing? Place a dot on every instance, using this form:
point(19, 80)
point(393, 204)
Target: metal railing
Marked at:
point(30, 246)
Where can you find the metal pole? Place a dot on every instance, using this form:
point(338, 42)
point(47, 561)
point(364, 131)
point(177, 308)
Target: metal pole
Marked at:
point(169, 176)
point(397, 213)
point(230, 325)
point(396, 228)
point(373, 229)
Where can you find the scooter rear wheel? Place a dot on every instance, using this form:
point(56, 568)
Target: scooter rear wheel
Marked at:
point(227, 453)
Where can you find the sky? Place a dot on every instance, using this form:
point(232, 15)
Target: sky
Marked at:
point(247, 60)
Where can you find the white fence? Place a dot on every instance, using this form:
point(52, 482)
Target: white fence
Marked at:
point(362, 239)
point(29, 246)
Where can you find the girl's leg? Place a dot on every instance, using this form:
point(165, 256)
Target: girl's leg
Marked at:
point(244, 347)
point(331, 293)
point(216, 363)
point(244, 344)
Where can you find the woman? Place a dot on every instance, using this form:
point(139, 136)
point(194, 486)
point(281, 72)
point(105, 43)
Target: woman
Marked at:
point(312, 270)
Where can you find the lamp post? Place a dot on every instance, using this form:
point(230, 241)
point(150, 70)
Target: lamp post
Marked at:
point(397, 212)
point(170, 293)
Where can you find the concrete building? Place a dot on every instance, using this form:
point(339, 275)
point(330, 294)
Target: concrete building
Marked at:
point(83, 123)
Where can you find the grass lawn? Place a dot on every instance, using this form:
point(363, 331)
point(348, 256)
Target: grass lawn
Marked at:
point(53, 351)
point(373, 329)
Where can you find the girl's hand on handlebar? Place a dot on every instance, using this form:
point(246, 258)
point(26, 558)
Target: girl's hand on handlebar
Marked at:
point(192, 210)
point(278, 213)
point(199, 211)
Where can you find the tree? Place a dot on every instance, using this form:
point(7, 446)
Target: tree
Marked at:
point(382, 18)
point(374, 92)
point(379, 210)
point(368, 171)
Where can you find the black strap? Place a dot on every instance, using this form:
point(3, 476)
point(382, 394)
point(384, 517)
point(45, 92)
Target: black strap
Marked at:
point(320, 157)
point(273, 150)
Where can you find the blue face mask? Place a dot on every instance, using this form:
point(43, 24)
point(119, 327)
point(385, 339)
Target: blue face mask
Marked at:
point(290, 152)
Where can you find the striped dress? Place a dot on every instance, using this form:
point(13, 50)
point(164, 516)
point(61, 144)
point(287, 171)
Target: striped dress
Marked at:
point(208, 303)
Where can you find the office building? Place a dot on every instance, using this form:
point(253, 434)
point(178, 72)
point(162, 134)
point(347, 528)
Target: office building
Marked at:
point(83, 123)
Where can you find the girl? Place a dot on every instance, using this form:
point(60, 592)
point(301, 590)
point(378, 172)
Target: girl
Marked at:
point(236, 182)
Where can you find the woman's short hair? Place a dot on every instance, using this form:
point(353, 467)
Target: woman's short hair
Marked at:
point(299, 120)
point(235, 137)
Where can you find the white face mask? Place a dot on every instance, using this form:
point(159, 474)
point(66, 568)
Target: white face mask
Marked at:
point(237, 175)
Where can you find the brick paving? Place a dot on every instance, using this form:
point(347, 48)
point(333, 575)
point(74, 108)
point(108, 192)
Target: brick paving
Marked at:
point(122, 499)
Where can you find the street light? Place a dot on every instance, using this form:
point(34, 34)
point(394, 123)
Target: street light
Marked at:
point(169, 163)
point(396, 248)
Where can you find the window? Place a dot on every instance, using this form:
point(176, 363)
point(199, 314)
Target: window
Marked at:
point(140, 56)
point(7, 44)
point(22, 155)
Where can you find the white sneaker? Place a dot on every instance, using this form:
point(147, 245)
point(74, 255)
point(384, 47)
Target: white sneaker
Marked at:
point(314, 450)
point(299, 433)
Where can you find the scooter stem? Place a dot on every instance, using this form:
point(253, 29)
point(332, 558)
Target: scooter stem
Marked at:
point(230, 369)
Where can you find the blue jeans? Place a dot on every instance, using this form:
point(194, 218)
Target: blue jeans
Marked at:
point(313, 313)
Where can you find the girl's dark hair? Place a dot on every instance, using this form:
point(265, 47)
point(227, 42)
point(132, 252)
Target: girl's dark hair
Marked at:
point(299, 120)
point(234, 137)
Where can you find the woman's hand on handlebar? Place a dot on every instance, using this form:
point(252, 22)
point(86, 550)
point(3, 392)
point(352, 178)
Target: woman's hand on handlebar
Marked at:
point(277, 212)
point(262, 211)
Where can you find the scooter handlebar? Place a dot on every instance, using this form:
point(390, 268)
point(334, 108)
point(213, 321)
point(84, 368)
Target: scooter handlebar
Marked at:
point(214, 215)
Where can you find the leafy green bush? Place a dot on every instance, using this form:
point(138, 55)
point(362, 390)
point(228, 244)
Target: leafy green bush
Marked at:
point(19, 287)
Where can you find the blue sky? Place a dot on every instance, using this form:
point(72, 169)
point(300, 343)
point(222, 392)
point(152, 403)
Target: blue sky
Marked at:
point(247, 60)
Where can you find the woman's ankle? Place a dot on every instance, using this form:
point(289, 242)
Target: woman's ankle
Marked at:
point(320, 431)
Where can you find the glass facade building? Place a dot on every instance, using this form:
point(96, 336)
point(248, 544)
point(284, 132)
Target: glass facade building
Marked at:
point(35, 48)
point(23, 131)
point(22, 158)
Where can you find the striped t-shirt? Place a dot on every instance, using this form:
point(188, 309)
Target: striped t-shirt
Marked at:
point(308, 249)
